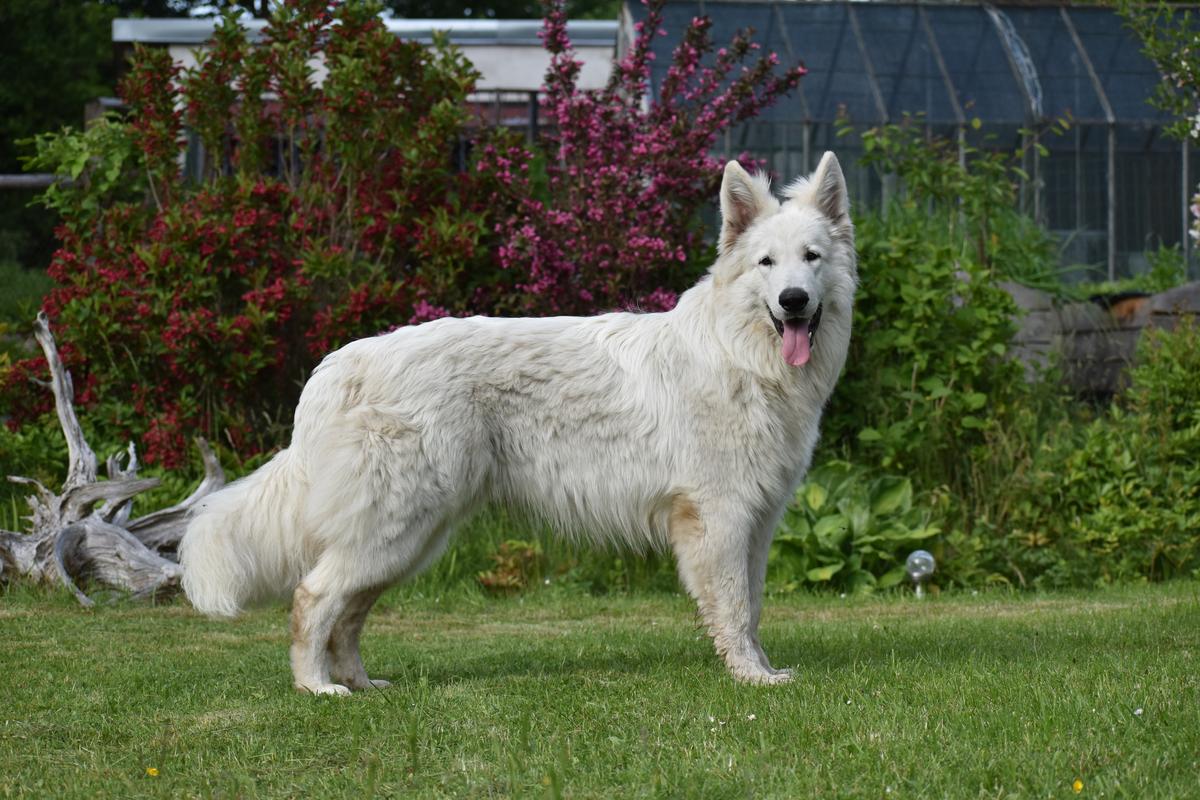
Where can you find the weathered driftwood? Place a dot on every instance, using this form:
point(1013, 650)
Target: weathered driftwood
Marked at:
point(85, 531)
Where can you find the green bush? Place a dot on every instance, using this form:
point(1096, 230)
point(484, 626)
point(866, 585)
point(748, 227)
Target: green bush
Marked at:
point(928, 378)
point(847, 530)
point(1117, 498)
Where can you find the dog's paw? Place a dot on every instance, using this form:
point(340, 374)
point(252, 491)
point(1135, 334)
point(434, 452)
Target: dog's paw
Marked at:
point(758, 676)
point(772, 678)
point(328, 689)
point(360, 683)
point(779, 676)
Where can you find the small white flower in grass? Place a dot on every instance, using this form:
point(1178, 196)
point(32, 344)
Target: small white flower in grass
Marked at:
point(711, 718)
point(751, 717)
point(1137, 712)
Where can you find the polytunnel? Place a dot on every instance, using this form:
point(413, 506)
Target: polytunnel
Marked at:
point(1111, 188)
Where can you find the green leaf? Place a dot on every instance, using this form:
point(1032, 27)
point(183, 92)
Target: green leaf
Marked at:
point(925, 532)
point(815, 496)
point(892, 577)
point(820, 574)
point(796, 527)
point(858, 515)
point(831, 530)
point(890, 495)
point(869, 435)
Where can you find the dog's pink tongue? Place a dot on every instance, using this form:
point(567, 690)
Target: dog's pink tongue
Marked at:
point(795, 343)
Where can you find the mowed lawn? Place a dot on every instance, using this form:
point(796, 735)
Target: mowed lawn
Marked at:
point(563, 694)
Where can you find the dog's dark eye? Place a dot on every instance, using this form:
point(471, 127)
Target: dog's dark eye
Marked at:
point(811, 255)
point(765, 261)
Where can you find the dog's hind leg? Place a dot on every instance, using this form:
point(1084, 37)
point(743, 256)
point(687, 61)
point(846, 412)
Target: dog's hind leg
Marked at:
point(715, 555)
point(345, 661)
point(328, 608)
point(316, 606)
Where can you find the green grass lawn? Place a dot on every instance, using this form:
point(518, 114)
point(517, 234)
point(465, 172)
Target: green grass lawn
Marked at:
point(561, 694)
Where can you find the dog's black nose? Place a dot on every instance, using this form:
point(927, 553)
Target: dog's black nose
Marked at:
point(793, 300)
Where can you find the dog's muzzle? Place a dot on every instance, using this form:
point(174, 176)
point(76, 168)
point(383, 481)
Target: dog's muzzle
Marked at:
point(813, 322)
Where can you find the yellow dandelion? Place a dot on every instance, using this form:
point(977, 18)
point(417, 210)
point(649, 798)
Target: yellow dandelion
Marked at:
point(1077, 786)
point(152, 772)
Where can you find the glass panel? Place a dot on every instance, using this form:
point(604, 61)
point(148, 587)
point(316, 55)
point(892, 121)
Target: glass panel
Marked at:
point(978, 64)
point(1127, 76)
point(837, 80)
point(904, 62)
point(1061, 72)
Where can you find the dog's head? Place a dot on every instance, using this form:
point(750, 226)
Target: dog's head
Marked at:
point(796, 257)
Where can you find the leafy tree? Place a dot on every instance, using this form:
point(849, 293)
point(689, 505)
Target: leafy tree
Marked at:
point(54, 57)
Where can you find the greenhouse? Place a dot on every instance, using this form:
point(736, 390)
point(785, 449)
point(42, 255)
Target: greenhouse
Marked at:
point(1111, 188)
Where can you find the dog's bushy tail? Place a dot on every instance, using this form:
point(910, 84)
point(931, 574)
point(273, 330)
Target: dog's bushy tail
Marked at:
point(244, 543)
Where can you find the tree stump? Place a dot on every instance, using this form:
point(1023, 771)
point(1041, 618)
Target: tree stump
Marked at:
point(85, 531)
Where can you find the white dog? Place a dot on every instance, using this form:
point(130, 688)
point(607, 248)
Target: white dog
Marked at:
point(688, 429)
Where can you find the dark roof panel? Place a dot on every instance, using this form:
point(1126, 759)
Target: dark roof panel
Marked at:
point(1062, 74)
point(905, 62)
point(837, 81)
point(1127, 76)
point(1013, 65)
point(978, 64)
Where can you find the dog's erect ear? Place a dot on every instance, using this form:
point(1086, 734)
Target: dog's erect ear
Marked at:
point(824, 190)
point(831, 198)
point(743, 198)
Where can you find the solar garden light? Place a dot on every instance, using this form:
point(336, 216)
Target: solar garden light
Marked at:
point(919, 566)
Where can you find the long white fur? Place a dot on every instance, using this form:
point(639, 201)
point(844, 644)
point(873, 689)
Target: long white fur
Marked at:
point(684, 429)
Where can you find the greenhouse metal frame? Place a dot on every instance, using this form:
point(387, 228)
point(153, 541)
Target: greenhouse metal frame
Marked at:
point(989, 76)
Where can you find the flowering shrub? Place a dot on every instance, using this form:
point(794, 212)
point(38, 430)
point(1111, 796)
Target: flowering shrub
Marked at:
point(327, 214)
point(626, 177)
point(332, 210)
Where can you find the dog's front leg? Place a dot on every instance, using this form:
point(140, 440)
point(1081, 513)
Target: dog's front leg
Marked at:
point(760, 549)
point(720, 561)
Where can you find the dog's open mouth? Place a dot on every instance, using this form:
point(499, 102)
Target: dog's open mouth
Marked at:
point(798, 334)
